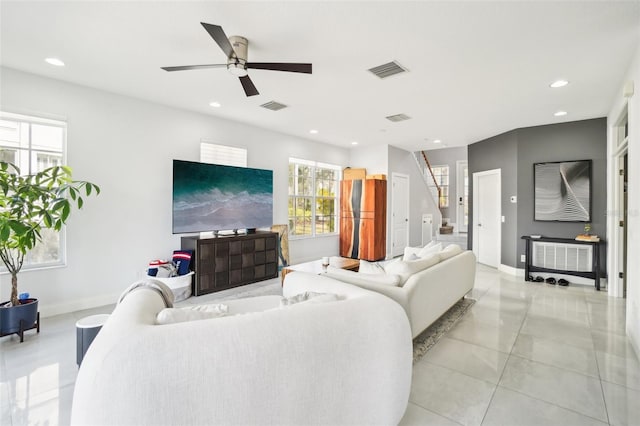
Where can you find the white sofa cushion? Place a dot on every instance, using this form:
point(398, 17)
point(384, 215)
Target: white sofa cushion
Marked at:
point(450, 251)
point(407, 268)
point(357, 278)
point(408, 251)
point(430, 249)
point(370, 267)
point(191, 313)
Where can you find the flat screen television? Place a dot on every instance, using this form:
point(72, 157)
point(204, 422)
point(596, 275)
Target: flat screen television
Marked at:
point(562, 191)
point(212, 197)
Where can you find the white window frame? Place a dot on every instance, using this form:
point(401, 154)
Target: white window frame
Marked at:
point(31, 120)
point(315, 165)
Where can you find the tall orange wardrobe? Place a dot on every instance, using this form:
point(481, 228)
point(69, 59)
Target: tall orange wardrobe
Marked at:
point(363, 219)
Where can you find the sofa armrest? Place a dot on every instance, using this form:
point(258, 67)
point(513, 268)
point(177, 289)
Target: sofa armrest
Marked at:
point(433, 291)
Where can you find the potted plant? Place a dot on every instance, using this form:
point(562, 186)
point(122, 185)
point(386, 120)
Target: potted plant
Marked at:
point(28, 205)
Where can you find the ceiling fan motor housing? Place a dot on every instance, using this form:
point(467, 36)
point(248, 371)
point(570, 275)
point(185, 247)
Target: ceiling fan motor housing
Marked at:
point(237, 64)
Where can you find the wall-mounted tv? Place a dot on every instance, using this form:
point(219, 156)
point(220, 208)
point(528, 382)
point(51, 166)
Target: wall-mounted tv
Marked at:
point(212, 197)
point(562, 191)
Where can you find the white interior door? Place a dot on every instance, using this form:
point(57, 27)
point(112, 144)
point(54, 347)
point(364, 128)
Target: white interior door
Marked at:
point(486, 217)
point(399, 213)
point(462, 195)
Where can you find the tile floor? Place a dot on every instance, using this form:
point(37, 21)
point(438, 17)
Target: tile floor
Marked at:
point(526, 354)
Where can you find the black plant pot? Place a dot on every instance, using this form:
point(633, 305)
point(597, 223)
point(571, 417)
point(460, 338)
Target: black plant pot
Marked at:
point(17, 319)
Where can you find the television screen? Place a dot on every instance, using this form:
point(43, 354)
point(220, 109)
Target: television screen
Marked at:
point(212, 197)
point(562, 191)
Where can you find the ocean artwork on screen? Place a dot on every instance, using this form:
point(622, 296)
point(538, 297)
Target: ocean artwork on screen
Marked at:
point(212, 197)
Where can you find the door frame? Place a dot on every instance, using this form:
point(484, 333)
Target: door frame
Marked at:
point(394, 176)
point(460, 194)
point(616, 250)
point(476, 175)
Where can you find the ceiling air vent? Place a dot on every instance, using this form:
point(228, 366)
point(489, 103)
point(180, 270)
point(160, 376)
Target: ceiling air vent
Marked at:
point(273, 106)
point(398, 117)
point(388, 69)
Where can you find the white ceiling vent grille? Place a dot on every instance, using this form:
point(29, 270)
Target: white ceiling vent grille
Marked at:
point(398, 117)
point(388, 69)
point(273, 106)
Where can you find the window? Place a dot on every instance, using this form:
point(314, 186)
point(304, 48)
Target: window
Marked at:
point(34, 144)
point(223, 154)
point(441, 175)
point(313, 198)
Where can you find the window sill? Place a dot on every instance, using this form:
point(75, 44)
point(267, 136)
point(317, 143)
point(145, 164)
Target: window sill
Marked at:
point(309, 237)
point(3, 271)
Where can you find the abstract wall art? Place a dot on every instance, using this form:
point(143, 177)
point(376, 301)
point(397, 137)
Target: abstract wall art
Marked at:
point(562, 191)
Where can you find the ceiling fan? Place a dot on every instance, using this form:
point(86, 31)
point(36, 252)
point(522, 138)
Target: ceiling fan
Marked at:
point(235, 47)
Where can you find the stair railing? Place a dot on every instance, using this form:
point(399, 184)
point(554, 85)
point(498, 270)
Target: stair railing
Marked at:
point(428, 173)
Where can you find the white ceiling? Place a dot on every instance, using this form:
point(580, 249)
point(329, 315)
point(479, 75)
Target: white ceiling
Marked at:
point(476, 69)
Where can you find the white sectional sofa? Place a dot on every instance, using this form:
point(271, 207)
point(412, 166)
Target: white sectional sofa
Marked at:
point(346, 361)
point(425, 287)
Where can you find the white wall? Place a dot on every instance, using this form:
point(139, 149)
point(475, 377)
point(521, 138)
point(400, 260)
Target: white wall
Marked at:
point(633, 207)
point(126, 146)
point(373, 158)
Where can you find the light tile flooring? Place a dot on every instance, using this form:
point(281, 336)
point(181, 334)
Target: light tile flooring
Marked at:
point(525, 354)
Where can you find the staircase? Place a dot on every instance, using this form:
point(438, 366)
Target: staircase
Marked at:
point(442, 233)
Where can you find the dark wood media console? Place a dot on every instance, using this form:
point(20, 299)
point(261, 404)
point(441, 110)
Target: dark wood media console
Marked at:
point(230, 261)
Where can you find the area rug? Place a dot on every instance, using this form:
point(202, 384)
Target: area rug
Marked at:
point(425, 340)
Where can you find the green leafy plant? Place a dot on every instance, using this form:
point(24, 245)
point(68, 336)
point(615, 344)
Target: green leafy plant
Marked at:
point(31, 203)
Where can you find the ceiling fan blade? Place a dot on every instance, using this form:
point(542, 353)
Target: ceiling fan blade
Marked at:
point(281, 66)
point(193, 67)
point(248, 86)
point(218, 35)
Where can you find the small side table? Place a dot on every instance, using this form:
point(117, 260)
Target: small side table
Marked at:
point(86, 330)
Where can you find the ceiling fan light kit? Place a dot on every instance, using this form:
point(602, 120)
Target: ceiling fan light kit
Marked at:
point(236, 49)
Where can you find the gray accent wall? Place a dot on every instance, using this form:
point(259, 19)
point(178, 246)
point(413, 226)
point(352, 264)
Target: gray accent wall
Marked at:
point(498, 152)
point(449, 157)
point(514, 153)
point(578, 140)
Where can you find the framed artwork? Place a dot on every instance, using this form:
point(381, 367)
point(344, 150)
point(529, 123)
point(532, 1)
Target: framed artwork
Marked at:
point(562, 191)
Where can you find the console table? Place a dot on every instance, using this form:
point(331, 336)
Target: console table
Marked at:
point(566, 258)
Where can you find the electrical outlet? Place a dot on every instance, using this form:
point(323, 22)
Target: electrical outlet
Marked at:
point(523, 258)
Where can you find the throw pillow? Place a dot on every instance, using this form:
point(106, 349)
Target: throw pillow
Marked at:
point(190, 313)
point(370, 267)
point(358, 278)
point(450, 251)
point(308, 296)
point(408, 251)
point(430, 249)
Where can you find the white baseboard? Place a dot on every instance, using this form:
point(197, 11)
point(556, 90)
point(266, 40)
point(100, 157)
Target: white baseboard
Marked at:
point(516, 272)
point(77, 305)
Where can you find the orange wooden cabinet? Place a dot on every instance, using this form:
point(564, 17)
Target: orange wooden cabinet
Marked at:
point(363, 219)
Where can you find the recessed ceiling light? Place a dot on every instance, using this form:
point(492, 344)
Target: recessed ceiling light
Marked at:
point(215, 104)
point(354, 143)
point(437, 141)
point(560, 113)
point(559, 83)
point(55, 61)
point(313, 131)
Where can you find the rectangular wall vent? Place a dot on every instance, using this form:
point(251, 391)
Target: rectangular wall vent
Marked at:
point(273, 106)
point(388, 69)
point(566, 257)
point(398, 117)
